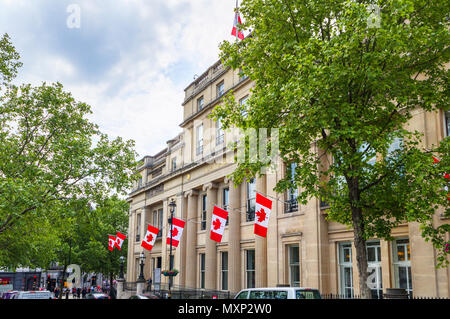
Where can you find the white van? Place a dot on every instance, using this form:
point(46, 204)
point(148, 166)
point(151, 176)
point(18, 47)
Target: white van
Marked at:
point(45, 294)
point(279, 293)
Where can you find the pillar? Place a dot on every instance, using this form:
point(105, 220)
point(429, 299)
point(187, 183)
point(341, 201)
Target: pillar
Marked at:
point(191, 238)
point(261, 243)
point(211, 248)
point(234, 238)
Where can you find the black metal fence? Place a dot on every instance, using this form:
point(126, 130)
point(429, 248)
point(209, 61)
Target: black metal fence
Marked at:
point(181, 292)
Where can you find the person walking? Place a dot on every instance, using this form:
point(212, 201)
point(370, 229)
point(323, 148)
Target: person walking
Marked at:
point(78, 292)
point(83, 293)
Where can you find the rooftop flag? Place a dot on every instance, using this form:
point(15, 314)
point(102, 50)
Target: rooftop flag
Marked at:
point(236, 31)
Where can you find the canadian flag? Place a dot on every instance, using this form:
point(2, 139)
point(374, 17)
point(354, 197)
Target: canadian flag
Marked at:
point(446, 176)
point(111, 242)
point(150, 237)
point(237, 22)
point(262, 214)
point(218, 221)
point(119, 240)
point(177, 231)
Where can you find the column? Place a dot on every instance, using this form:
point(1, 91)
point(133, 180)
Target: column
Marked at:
point(190, 268)
point(211, 249)
point(261, 243)
point(234, 238)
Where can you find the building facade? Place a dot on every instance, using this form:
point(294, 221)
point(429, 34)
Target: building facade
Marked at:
point(302, 248)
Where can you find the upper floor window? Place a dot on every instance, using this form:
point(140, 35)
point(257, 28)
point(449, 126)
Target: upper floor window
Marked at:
point(174, 164)
point(203, 223)
point(226, 201)
point(199, 140)
point(200, 103)
point(251, 200)
point(242, 75)
point(220, 89)
point(292, 194)
point(447, 123)
point(158, 220)
point(219, 133)
point(138, 227)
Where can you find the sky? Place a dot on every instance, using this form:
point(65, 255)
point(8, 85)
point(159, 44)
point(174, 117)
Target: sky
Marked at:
point(130, 60)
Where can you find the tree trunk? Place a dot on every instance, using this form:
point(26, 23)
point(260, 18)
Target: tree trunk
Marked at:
point(361, 253)
point(359, 240)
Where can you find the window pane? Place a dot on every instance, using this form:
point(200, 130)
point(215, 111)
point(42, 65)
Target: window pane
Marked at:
point(400, 252)
point(402, 277)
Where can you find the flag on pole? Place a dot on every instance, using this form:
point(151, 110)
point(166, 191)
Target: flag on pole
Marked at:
point(177, 231)
point(262, 214)
point(119, 240)
point(236, 31)
point(111, 242)
point(150, 237)
point(218, 221)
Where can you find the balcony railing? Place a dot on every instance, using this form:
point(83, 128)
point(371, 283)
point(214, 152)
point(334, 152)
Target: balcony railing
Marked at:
point(291, 205)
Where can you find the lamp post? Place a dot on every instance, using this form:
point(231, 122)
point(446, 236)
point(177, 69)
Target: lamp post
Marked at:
point(122, 260)
point(142, 259)
point(172, 206)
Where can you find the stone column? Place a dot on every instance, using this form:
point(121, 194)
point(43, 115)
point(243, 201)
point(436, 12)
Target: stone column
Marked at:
point(211, 249)
point(234, 238)
point(191, 239)
point(261, 243)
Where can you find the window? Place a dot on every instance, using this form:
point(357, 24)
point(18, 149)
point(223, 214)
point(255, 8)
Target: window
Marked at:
point(200, 103)
point(226, 201)
point(374, 281)
point(203, 223)
point(224, 270)
point(220, 89)
point(367, 151)
point(291, 204)
point(251, 200)
point(202, 271)
point(174, 164)
point(242, 75)
point(447, 123)
point(158, 221)
point(219, 133)
point(402, 264)
point(138, 227)
point(250, 268)
point(345, 270)
point(294, 265)
point(199, 141)
point(242, 104)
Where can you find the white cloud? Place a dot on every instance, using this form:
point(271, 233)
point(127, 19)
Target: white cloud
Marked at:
point(130, 60)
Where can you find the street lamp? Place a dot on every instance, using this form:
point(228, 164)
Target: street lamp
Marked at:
point(172, 206)
point(142, 259)
point(122, 260)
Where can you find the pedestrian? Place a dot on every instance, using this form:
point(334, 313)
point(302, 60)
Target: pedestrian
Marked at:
point(56, 292)
point(74, 293)
point(149, 284)
point(83, 293)
point(78, 292)
point(67, 293)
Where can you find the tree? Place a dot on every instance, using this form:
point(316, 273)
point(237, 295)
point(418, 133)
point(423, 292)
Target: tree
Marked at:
point(341, 88)
point(50, 155)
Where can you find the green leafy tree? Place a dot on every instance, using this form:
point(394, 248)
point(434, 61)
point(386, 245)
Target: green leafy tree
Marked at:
point(51, 154)
point(341, 83)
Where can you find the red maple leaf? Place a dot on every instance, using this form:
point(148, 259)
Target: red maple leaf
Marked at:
point(174, 232)
point(216, 224)
point(149, 238)
point(261, 215)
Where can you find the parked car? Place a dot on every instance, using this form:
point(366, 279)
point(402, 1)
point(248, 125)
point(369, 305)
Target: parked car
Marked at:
point(97, 295)
point(145, 296)
point(9, 294)
point(44, 294)
point(279, 293)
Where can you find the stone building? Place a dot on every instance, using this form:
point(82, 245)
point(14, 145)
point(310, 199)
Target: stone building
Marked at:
point(302, 248)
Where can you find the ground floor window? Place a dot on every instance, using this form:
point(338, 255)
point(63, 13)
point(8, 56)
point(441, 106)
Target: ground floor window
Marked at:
point(374, 280)
point(294, 265)
point(224, 270)
point(345, 270)
point(202, 270)
point(402, 264)
point(250, 268)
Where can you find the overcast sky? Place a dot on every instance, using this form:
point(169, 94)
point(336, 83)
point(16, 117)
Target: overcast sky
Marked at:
point(129, 59)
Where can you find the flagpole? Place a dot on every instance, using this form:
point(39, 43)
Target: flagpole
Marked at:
point(237, 20)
